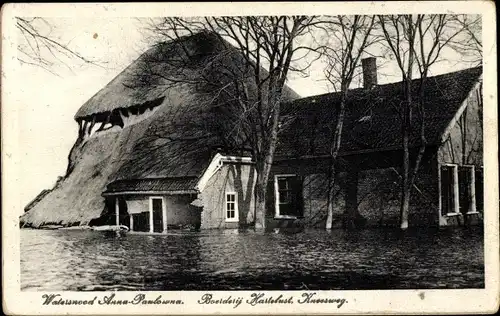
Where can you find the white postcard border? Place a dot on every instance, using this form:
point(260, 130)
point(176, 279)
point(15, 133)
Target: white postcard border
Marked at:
point(16, 301)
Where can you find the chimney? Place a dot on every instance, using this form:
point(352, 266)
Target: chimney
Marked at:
point(369, 72)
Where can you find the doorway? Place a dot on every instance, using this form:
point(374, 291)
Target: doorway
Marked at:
point(157, 214)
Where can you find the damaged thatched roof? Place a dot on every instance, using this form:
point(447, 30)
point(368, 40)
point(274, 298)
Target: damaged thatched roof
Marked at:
point(372, 120)
point(164, 64)
point(175, 137)
point(128, 89)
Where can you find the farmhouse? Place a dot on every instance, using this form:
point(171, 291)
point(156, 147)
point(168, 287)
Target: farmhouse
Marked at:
point(448, 189)
point(149, 153)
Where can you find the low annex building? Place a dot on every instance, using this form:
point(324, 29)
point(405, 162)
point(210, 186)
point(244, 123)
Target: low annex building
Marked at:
point(148, 154)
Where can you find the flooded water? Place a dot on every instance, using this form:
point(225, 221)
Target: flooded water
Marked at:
point(224, 260)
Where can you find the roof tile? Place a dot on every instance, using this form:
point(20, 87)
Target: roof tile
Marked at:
point(372, 120)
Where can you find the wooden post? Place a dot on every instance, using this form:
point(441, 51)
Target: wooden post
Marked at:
point(456, 201)
point(92, 125)
point(164, 214)
point(117, 211)
point(84, 128)
point(81, 129)
point(276, 197)
point(441, 218)
point(131, 222)
point(472, 189)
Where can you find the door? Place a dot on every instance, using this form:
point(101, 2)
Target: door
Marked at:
point(124, 215)
point(157, 208)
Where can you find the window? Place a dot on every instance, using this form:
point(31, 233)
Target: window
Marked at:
point(288, 195)
point(458, 189)
point(231, 207)
point(449, 198)
point(285, 191)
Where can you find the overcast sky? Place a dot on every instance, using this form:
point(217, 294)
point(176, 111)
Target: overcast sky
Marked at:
point(48, 102)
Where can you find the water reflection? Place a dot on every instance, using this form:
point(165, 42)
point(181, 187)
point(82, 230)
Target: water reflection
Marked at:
point(223, 260)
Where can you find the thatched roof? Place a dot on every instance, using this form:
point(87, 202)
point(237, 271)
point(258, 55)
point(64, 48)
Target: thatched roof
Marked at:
point(177, 140)
point(126, 90)
point(147, 78)
point(372, 120)
point(37, 199)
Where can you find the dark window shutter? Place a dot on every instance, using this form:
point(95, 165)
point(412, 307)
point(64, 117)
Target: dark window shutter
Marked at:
point(479, 190)
point(299, 199)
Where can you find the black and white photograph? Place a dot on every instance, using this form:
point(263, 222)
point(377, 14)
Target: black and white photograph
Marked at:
point(245, 157)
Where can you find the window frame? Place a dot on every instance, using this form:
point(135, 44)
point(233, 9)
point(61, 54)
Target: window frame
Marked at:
point(234, 219)
point(163, 211)
point(472, 188)
point(456, 206)
point(277, 202)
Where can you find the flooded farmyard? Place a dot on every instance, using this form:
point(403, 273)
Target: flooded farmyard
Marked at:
point(240, 260)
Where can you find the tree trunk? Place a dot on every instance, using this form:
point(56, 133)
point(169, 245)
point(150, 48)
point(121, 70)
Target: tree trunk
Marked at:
point(405, 180)
point(263, 170)
point(261, 189)
point(405, 192)
point(330, 197)
point(334, 151)
point(409, 175)
point(423, 141)
point(260, 201)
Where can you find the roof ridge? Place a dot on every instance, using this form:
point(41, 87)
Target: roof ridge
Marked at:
point(157, 178)
point(372, 120)
point(391, 83)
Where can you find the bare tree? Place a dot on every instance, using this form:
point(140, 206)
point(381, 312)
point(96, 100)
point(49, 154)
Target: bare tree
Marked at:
point(253, 86)
point(38, 46)
point(469, 43)
point(416, 43)
point(349, 36)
